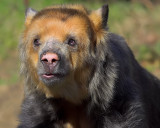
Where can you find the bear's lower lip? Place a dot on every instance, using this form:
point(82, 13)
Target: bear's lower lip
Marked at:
point(51, 76)
point(48, 76)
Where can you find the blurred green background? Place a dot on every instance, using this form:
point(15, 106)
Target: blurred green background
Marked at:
point(138, 21)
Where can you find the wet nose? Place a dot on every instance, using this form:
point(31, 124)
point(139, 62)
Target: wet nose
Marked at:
point(50, 58)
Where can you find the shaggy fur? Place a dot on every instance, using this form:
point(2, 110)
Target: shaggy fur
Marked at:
point(106, 87)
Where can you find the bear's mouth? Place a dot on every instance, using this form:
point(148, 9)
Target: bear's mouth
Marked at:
point(52, 75)
point(48, 75)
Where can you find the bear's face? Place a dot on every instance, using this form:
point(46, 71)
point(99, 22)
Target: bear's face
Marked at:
point(58, 45)
point(59, 48)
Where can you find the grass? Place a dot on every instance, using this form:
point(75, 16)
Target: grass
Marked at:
point(139, 26)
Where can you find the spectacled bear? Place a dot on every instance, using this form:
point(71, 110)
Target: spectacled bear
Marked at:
point(79, 75)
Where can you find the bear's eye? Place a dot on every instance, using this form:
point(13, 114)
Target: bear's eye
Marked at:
point(72, 42)
point(36, 42)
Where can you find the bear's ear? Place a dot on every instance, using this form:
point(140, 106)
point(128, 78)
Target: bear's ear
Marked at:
point(99, 17)
point(30, 13)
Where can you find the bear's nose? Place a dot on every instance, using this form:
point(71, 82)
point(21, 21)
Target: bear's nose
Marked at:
point(50, 58)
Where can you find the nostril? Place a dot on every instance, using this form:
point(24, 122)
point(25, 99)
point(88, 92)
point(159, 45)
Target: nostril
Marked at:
point(54, 60)
point(44, 60)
